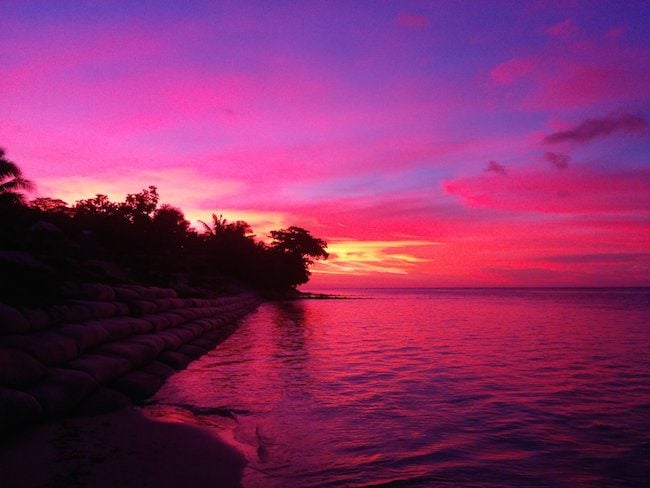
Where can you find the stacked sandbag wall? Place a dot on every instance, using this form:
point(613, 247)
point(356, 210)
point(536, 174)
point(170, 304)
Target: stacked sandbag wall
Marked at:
point(104, 348)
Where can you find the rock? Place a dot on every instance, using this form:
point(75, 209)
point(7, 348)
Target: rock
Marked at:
point(142, 307)
point(205, 343)
point(49, 347)
point(98, 310)
point(174, 319)
point(102, 368)
point(97, 292)
point(37, 318)
point(61, 390)
point(12, 321)
point(17, 408)
point(158, 344)
point(76, 312)
point(163, 304)
point(137, 354)
point(172, 341)
point(138, 385)
point(159, 369)
point(124, 294)
point(118, 327)
point(18, 368)
point(101, 401)
point(195, 328)
point(140, 325)
point(183, 334)
point(157, 321)
point(194, 352)
point(86, 334)
point(175, 359)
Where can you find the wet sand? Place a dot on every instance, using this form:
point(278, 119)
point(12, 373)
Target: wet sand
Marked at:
point(125, 449)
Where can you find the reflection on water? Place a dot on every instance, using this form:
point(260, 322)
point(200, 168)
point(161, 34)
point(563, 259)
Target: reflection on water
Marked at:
point(433, 387)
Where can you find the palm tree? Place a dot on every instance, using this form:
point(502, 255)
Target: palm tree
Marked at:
point(12, 182)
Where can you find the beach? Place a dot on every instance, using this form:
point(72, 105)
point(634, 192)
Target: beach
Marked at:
point(125, 449)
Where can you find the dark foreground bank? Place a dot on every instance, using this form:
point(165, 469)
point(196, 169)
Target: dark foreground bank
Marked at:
point(125, 449)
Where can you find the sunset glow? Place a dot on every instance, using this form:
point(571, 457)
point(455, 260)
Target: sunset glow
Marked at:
point(429, 143)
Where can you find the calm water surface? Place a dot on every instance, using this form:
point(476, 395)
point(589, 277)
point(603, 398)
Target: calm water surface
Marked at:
point(433, 387)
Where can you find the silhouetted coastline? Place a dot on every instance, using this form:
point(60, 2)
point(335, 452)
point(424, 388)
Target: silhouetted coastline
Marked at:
point(100, 302)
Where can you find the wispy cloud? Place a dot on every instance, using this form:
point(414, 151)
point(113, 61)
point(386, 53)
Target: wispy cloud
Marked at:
point(495, 167)
point(563, 29)
point(349, 256)
point(560, 161)
point(592, 129)
point(411, 20)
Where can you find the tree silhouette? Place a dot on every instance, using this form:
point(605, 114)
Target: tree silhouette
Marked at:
point(12, 182)
point(298, 241)
point(293, 248)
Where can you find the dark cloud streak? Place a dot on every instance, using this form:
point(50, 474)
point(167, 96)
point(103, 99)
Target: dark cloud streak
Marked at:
point(594, 128)
point(560, 161)
point(495, 167)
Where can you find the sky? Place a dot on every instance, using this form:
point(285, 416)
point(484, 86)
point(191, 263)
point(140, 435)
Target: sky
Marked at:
point(430, 143)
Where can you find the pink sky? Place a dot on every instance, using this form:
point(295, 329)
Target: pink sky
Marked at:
point(430, 143)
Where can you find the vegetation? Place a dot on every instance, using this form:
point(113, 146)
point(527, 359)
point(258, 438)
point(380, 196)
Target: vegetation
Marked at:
point(143, 240)
point(12, 182)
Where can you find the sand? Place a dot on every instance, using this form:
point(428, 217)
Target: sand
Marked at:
point(123, 449)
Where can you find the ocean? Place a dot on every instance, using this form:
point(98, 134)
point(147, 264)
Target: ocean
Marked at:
point(432, 387)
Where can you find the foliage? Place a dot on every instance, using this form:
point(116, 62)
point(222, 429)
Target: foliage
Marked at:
point(155, 243)
point(12, 182)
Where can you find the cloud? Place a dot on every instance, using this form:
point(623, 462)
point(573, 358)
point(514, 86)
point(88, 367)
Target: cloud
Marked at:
point(560, 161)
point(563, 29)
point(412, 21)
point(360, 257)
point(616, 32)
point(510, 71)
point(495, 167)
point(582, 191)
point(620, 257)
point(595, 128)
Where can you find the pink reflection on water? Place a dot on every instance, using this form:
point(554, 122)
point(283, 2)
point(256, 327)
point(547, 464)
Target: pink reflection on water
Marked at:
point(501, 387)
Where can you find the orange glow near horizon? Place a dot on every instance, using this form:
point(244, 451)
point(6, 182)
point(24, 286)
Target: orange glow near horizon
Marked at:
point(430, 145)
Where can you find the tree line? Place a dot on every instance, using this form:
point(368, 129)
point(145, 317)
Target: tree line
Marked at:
point(154, 243)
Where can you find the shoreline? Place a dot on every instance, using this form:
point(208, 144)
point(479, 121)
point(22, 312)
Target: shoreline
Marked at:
point(127, 448)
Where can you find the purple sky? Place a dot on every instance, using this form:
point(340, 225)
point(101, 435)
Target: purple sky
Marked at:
point(431, 143)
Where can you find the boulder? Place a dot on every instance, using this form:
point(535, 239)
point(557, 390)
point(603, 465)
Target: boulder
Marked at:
point(98, 310)
point(174, 359)
point(158, 344)
point(138, 385)
point(50, 348)
point(172, 341)
point(159, 369)
point(18, 368)
point(137, 354)
point(118, 327)
point(125, 294)
point(101, 401)
point(38, 319)
point(12, 321)
point(61, 389)
point(142, 307)
point(96, 292)
point(183, 334)
point(194, 352)
point(17, 408)
point(86, 334)
point(102, 368)
point(157, 321)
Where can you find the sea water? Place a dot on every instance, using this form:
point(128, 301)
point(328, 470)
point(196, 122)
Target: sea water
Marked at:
point(433, 387)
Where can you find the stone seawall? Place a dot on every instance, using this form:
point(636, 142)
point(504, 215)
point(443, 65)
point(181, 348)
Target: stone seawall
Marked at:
point(104, 348)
